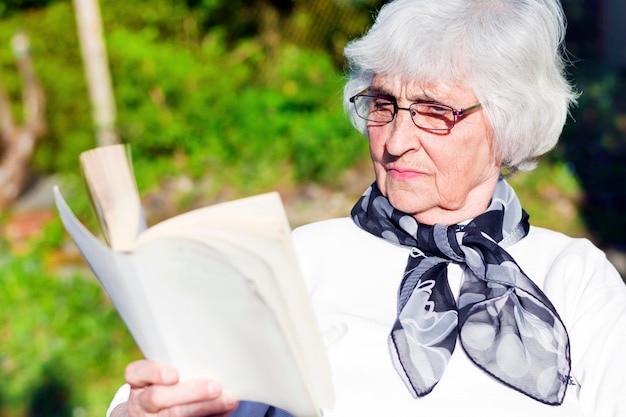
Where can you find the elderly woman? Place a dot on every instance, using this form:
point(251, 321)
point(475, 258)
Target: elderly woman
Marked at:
point(437, 298)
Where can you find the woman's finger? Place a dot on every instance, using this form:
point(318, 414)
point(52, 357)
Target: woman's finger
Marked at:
point(155, 398)
point(143, 373)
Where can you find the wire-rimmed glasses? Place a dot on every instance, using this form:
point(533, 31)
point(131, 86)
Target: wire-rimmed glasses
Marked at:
point(426, 115)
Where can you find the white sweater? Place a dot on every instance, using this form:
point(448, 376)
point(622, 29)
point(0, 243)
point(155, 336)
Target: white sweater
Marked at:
point(354, 277)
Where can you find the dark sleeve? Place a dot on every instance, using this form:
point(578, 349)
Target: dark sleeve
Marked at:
point(252, 409)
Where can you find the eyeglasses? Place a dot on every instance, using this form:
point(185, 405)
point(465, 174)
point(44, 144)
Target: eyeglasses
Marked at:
point(426, 115)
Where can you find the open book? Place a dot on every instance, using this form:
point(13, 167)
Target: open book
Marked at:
point(215, 292)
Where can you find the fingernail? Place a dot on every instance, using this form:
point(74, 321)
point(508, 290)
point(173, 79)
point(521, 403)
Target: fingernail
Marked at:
point(214, 389)
point(169, 375)
point(229, 399)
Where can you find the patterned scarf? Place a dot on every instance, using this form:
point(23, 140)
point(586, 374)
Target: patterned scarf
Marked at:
point(504, 322)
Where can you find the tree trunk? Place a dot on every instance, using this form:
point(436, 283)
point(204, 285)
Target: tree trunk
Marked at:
point(18, 141)
point(96, 70)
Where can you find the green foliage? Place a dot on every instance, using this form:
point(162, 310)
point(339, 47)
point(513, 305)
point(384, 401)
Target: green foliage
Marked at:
point(13, 6)
point(183, 89)
point(595, 146)
point(292, 20)
point(254, 134)
point(57, 61)
point(551, 195)
point(60, 337)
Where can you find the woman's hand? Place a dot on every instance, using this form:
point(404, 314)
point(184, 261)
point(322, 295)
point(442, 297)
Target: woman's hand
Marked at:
point(156, 392)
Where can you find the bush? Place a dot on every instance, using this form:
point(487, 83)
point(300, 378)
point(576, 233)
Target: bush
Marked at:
point(61, 338)
point(595, 146)
point(218, 104)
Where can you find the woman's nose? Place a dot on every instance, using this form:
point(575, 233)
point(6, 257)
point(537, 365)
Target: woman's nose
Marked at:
point(403, 135)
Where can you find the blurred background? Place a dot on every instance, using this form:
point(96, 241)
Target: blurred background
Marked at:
point(221, 99)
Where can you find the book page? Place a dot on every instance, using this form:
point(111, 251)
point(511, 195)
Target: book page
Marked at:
point(109, 177)
point(116, 273)
point(225, 327)
point(216, 297)
point(246, 231)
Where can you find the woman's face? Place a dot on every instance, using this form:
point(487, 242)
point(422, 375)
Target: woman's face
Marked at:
point(438, 177)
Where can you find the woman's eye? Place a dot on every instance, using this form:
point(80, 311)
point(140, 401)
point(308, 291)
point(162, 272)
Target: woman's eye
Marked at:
point(438, 109)
point(381, 104)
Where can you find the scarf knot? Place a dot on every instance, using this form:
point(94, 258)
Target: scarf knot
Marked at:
point(504, 322)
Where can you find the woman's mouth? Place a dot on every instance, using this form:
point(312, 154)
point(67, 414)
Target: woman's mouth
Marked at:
point(403, 174)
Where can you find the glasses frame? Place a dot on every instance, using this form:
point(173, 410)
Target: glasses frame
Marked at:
point(456, 113)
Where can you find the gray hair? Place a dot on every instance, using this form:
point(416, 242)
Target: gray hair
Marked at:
point(510, 53)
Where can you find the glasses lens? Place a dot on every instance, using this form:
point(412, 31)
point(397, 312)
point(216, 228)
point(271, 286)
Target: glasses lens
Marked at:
point(374, 109)
point(432, 116)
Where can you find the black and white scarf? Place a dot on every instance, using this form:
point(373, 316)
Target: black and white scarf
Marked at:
point(504, 322)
